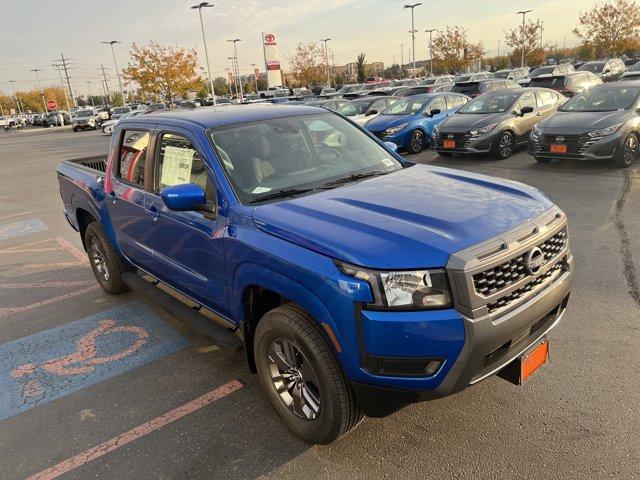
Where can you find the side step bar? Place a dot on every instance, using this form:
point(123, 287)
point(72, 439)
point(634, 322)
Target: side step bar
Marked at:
point(216, 333)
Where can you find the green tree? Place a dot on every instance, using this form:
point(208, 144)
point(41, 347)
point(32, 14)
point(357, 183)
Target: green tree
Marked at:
point(394, 71)
point(360, 68)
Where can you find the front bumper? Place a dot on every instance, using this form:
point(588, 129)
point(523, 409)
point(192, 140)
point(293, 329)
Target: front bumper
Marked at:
point(401, 138)
point(465, 143)
point(579, 147)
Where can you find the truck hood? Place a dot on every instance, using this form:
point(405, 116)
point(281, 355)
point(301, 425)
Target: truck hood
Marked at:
point(413, 218)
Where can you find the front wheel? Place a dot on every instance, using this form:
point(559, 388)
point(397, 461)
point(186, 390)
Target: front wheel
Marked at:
point(505, 145)
point(416, 141)
point(628, 153)
point(103, 259)
point(302, 377)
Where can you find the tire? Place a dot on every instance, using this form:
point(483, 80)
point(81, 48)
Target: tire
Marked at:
point(416, 141)
point(505, 145)
point(45, 124)
point(75, 129)
point(289, 335)
point(542, 159)
point(628, 151)
point(104, 260)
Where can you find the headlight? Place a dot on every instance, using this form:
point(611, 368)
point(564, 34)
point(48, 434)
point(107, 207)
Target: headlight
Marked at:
point(483, 130)
point(535, 130)
point(436, 129)
point(392, 130)
point(605, 131)
point(403, 290)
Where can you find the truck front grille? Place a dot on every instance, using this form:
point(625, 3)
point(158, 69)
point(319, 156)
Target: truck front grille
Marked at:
point(495, 279)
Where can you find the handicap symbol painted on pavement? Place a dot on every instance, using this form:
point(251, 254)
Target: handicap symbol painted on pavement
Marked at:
point(48, 365)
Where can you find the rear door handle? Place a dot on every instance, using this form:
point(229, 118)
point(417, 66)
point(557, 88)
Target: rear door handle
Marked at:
point(153, 212)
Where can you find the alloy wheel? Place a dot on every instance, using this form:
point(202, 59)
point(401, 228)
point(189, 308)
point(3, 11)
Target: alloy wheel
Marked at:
point(98, 260)
point(630, 149)
point(505, 145)
point(294, 378)
point(417, 141)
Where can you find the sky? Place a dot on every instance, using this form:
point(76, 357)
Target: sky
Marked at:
point(34, 33)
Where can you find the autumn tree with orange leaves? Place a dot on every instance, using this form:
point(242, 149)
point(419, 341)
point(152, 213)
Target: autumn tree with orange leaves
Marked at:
point(534, 53)
point(168, 71)
point(610, 29)
point(453, 52)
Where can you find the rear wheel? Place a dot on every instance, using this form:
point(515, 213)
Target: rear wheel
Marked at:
point(75, 129)
point(103, 259)
point(629, 151)
point(505, 145)
point(302, 377)
point(416, 141)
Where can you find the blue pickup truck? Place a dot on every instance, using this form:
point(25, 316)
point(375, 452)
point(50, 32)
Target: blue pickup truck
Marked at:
point(356, 282)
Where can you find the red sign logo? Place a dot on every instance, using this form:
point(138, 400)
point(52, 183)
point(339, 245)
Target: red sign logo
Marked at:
point(51, 105)
point(269, 39)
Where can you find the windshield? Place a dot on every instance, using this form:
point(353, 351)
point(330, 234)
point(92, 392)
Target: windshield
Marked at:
point(549, 82)
point(428, 81)
point(84, 113)
point(491, 103)
point(463, 78)
point(354, 108)
point(121, 110)
point(502, 74)
point(542, 71)
point(406, 106)
point(467, 87)
point(603, 100)
point(595, 67)
point(296, 153)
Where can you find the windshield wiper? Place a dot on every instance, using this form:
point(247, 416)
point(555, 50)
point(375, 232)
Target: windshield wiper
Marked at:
point(354, 177)
point(291, 192)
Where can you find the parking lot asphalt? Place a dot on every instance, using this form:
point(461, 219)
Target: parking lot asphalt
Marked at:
point(100, 386)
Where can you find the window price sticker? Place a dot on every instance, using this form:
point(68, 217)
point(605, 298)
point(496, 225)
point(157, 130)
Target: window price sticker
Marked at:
point(176, 165)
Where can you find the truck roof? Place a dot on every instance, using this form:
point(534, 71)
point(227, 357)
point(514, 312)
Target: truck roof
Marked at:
point(208, 117)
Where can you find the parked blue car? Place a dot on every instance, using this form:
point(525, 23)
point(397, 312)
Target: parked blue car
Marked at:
point(408, 122)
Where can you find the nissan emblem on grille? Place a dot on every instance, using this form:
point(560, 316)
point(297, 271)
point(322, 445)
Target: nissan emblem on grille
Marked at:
point(450, 136)
point(534, 260)
point(560, 139)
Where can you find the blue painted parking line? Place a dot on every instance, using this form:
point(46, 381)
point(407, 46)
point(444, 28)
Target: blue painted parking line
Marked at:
point(24, 227)
point(42, 367)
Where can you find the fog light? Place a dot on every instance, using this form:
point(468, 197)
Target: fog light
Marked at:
point(403, 366)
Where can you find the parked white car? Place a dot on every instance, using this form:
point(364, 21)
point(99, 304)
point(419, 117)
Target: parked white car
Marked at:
point(108, 126)
point(361, 110)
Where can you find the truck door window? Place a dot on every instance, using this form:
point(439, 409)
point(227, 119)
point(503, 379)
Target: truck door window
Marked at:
point(179, 162)
point(133, 154)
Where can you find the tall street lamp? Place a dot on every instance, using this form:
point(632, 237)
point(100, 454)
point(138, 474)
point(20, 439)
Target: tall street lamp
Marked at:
point(326, 59)
point(88, 82)
point(235, 74)
point(113, 52)
point(15, 97)
point(44, 103)
point(255, 78)
point(199, 7)
point(235, 53)
point(523, 13)
point(430, 31)
point(413, 36)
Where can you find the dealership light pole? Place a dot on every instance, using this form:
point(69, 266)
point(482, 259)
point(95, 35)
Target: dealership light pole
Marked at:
point(254, 76)
point(413, 36)
point(88, 82)
point(200, 6)
point(15, 97)
point(44, 103)
point(523, 13)
point(235, 53)
point(113, 52)
point(235, 74)
point(326, 59)
point(430, 31)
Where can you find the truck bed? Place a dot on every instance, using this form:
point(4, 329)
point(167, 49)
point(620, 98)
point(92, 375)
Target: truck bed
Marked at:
point(97, 163)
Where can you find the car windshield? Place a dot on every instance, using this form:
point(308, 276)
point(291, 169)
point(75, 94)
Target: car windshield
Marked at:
point(84, 113)
point(595, 67)
point(549, 82)
point(498, 102)
point(354, 108)
point(463, 78)
point(502, 74)
point(542, 71)
point(121, 110)
point(428, 81)
point(406, 106)
point(603, 100)
point(280, 157)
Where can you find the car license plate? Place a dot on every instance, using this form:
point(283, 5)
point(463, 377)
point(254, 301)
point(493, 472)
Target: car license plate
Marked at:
point(521, 368)
point(449, 144)
point(558, 148)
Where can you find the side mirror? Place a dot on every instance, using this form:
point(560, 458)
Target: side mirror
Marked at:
point(372, 112)
point(434, 112)
point(525, 110)
point(185, 196)
point(391, 146)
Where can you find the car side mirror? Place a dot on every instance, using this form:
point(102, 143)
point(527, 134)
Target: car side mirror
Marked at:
point(372, 112)
point(434, 112)
point(391, 146)
point(183, 197)
point(525, 110)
